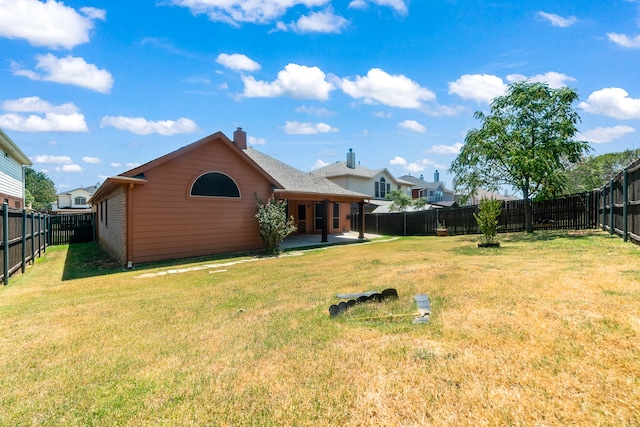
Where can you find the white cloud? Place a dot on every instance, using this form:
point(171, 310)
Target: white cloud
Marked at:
point(553, 79)
point(142, 126)
point(602, 135)
point(392, 90)
point(397, 5)
point(413, 126)
point(69, 70)
point(317, 22)
point(43, 158)
point(316, 111)
point(624, 40)
point(50, 24)
point(481, 88)
point(34, 104)
point(237, 62)
point(446, 149)
point(382, 114)
point(557, 20)
point(69, 168)
point(92, 160)
point(415, 167)
point(256, 141)
point(115, 165)
point(238, 11)
point(298, 128)
point(397, 160)
point(132, 165)
point(47, 117)
point(297, 81)
point(612, 102)
point(319, 164)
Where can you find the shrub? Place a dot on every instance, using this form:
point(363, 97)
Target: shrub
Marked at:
point(273, 224)
point(487, 218)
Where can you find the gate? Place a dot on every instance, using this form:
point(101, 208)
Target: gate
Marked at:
point(68, 228)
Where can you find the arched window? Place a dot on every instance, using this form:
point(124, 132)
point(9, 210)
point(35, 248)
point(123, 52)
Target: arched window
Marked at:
point(215, 184)
point(382, 188)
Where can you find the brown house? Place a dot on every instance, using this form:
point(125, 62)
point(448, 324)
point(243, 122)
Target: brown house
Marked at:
point(201, 200)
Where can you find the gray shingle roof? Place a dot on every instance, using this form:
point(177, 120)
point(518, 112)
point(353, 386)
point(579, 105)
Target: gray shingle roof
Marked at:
point(421, 183)
point(293, 179)
point(341, 169)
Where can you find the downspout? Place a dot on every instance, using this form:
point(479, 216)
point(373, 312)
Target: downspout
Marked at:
point(129, 227)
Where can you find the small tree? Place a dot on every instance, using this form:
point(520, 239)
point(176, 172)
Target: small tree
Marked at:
point(401, 201)
point(487, 218)
point(273, 224)
point(41, 191)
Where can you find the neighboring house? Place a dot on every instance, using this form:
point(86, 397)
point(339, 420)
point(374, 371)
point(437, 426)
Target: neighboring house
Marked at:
point(202, 200)
point(376, 183)
point(12, 162)
point(74, 200)
point(435, 192)
point(484, 194)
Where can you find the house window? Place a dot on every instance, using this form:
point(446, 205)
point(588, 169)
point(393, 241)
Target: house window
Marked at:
point(215, 184)
point(318, 215)
point(382, 188)
point(336, 215)
point(106, 213)
point(81, 200)
point(18, 204)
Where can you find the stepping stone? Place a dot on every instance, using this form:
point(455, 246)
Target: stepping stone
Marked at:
point(423, 303)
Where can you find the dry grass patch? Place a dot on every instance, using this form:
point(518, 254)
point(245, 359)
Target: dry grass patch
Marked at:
point(543, 331)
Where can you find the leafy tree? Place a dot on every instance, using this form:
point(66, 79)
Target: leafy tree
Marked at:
point(594, 172)
point(488, 212)
point(41, 191)
point(273, 224)
point(400, 201)
point(526, 142)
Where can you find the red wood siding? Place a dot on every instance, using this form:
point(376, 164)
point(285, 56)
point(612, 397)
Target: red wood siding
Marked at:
point(168, 223)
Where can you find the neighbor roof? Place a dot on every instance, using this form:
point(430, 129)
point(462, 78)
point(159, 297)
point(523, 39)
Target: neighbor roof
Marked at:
point(10, 147)
point(295, 181)
point(90, 190)
point(341, 169)
point(421, 183)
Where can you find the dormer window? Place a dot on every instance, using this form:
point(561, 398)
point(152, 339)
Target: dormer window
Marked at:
point(80, 200)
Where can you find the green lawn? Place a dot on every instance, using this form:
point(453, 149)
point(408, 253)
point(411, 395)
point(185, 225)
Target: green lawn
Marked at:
point(543, 331)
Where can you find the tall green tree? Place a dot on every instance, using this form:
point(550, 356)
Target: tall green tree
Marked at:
point(40, 189)
point(526, 141)
point(594, 172)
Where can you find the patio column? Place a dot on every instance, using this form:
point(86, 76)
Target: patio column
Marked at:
point(361, 216)
point(325, 221)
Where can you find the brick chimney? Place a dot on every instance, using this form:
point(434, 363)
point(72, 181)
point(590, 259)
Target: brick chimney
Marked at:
point(240, 138)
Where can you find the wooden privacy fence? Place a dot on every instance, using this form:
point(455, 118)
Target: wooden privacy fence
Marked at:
point(575, 212)
point(65, 228)
point(23, 236)
point(619, 204)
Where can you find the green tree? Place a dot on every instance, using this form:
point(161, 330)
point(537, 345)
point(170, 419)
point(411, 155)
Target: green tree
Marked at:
point(273, 224)
point(527, 142)
point(41, 191)
point(594, 172)
point(488, 212)
point(400, 201)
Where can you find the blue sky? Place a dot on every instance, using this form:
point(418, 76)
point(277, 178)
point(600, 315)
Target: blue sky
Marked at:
point(92, 88)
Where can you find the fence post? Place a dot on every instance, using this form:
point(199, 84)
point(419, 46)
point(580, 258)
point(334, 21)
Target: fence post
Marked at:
point(24, 240)
point(5, 241)
point(404, 219)
point(39, 235)
point(611, 206)
point(625, 201)
point(33, 238)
